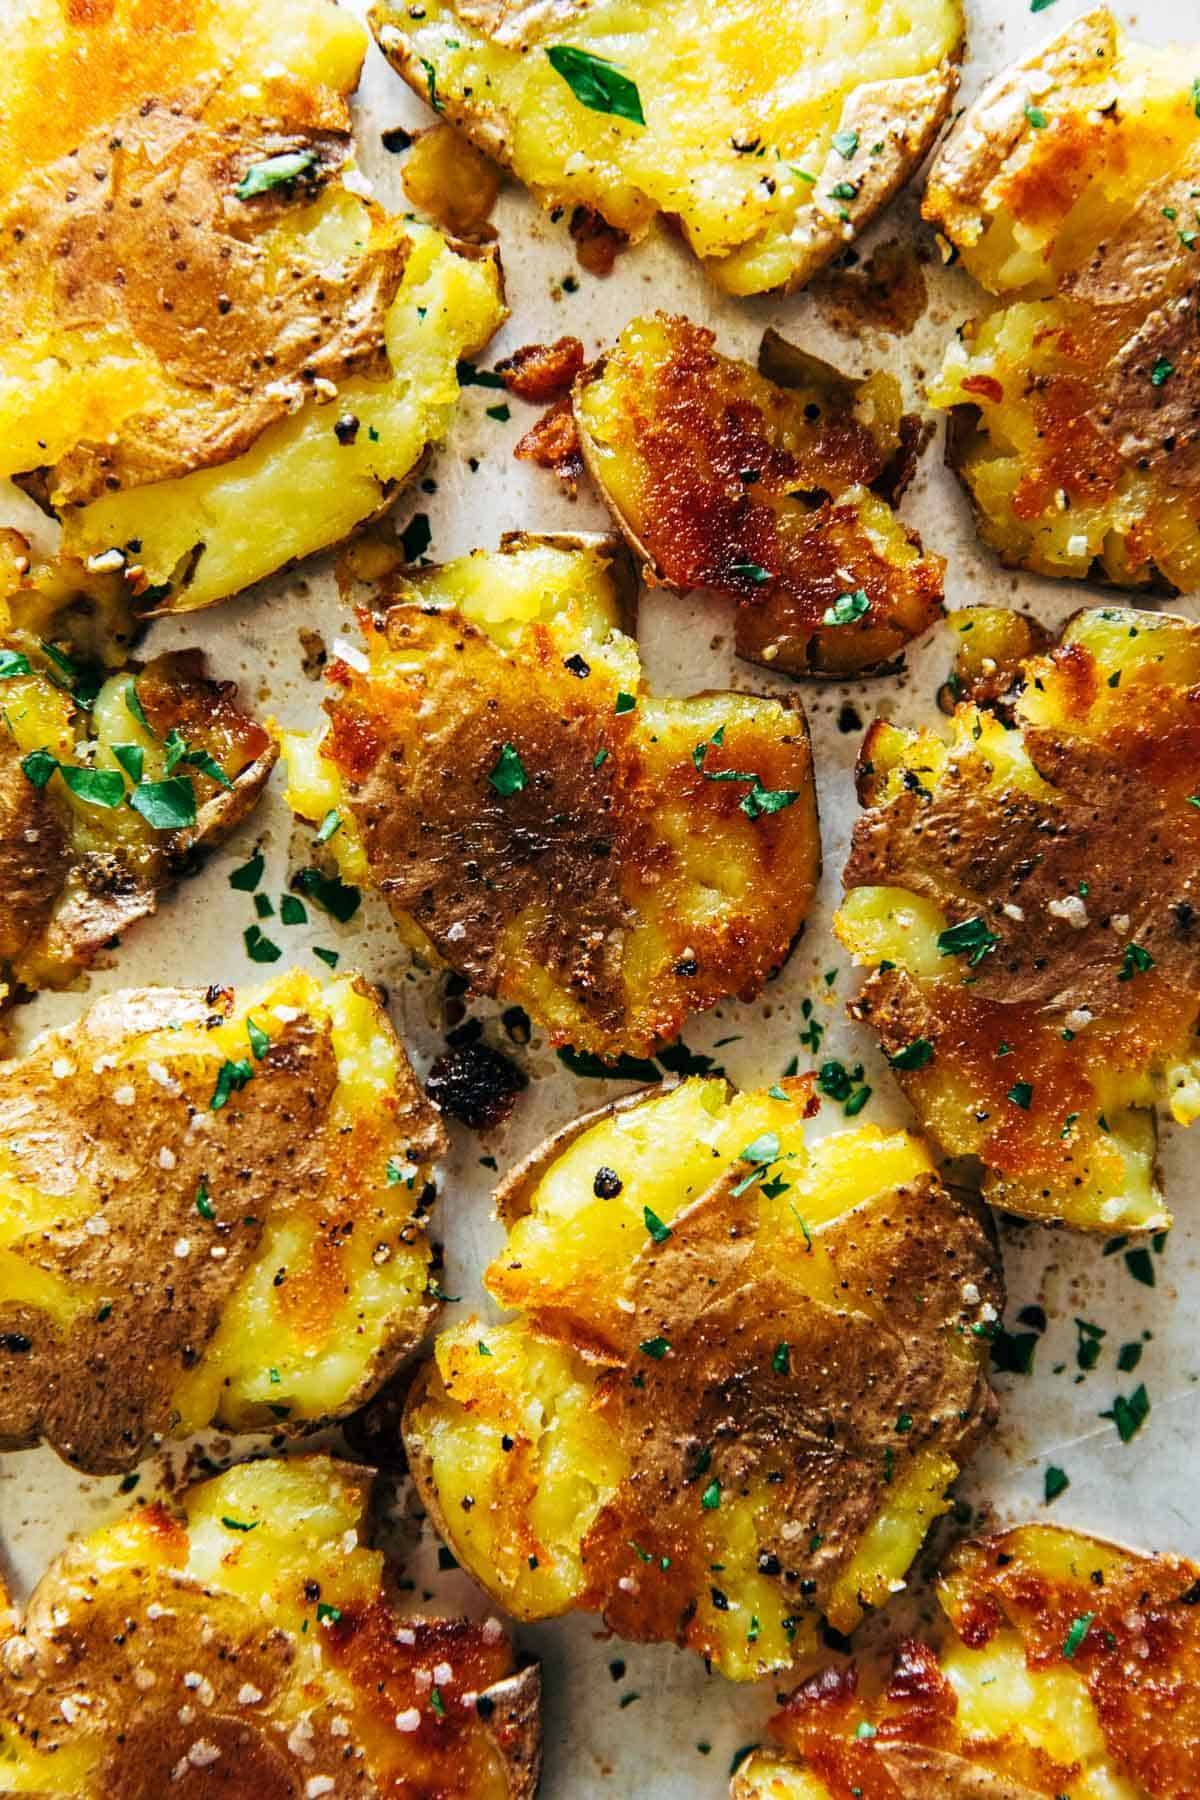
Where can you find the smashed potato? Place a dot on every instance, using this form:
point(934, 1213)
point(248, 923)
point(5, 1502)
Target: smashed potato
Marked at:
point(1071, 190)
point(773, 488)
point(1062, 1666)
point(246, 1639)
point(769, 163)
point(538, 821)
point(742, 1376)
point(1024, 886)
point(113, 775)
point(215, 354)
point(212, 1211)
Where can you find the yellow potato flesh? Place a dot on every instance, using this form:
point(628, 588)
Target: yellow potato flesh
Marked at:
point(298, 489)
point(705, 87)
point(498, 1385)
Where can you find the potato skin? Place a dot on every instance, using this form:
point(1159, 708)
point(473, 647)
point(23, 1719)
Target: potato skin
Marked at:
point(706, 465)
point(146, 1259)
point(708, 1401)
point(483, 69)
point(579, 899)
point(1068, 189)
point(1067, 849)
point(215, 414)
point(1104, 1645)
point(141, 1668)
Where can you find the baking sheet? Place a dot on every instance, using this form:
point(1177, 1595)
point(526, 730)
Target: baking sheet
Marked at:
point(662, 1727)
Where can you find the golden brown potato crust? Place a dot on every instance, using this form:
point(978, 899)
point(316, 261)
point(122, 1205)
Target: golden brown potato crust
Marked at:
point(242, 350)
point(136, 1676)
point(771, 488)
point(826, 1444)
point(127, 1297)
point(1069, 188)
point(1124, 1624)
point(549, 884)
point(124, 229)
point(1062, 862)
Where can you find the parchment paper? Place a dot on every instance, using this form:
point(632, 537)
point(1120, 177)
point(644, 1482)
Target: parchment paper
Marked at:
point(678, 1727)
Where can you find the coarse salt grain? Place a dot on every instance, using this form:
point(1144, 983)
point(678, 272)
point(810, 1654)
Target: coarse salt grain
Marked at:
point(408, 1720)
point(443, 1674)
point(248, 1694)
point(60, 1068)
point(96, 1226)
point(183, 1248)
point(319, 1784)
point(202, 1753)
point(125, 1095)
point(1070, 908)
point(166, 1158)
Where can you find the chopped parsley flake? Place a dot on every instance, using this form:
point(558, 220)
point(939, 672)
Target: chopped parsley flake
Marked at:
point(654, 1225)
point(1057, 1482)
point(259, 947)
point(847, 607)
point(596, 83)
point(508, 776)
point(1129, 1414)
point(276, 171)
point(1135, 961)
point(247, 878)
point(971, 938)
point(231, 1078)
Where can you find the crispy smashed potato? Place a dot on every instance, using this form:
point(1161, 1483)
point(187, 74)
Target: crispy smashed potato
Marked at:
point(212, 1210)
point(1024, 885)
point(113, 775)
point(1071, 190)
point(1062, 1666)
point(742, 1377)
point(246, 1640)
point(770, 163)
point(774, 488)
point(538, 821)
point(215, 354)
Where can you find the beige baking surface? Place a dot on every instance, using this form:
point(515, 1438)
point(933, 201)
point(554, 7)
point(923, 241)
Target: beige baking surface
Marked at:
point(1144, 1492)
